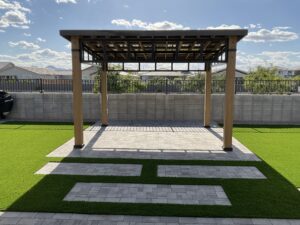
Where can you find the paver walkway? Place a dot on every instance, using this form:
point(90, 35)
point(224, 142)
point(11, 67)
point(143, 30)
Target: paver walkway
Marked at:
point(228, 172)
point(27, 218)
point(91, 169)
point(169, 141)
point(148, 193)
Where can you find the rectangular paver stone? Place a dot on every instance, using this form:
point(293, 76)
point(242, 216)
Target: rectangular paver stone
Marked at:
point(148, 193)
point(226, 172)
point(91, 169)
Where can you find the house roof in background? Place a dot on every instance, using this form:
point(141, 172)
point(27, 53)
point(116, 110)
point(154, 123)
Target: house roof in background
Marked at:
point(41, 71)
point(5, 65)
point(224, 70)
point(281, 68)
point(45, 71)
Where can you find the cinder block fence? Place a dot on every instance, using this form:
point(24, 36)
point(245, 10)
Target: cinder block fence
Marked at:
point(256, 109)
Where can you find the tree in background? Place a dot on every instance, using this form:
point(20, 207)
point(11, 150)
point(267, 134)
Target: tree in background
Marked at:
point(117, 83)
point(194, 83)
point(297, 77)
point(218, 83)
point(266, 80)
point(262, 80)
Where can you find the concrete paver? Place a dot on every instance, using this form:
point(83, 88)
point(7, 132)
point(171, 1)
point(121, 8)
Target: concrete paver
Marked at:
point(148, 193)
point(24, 218)
point(91, 169)
point(169, 141)
point(227, 172)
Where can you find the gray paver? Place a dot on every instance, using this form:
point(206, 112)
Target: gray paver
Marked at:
point(227, 172)
point(148, 193)
point(146, 141)
point(91, 169)
point(72, 219)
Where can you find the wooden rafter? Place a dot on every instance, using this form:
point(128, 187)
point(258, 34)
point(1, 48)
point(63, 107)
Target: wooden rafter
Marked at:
point(189, 46)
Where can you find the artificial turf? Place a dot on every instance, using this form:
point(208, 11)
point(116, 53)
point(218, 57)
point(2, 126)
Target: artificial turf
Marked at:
point(23, 148)
point(279, 146)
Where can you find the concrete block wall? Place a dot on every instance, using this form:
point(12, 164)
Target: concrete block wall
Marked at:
point(267, 109)
point(249, 109)
point(52, 107)
point(155, 107)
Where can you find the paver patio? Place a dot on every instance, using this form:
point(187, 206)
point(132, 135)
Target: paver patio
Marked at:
point(173, 140)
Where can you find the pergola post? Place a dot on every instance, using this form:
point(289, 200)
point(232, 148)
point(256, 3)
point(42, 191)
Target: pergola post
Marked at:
point(207, 96)
point(229, 94)
point(104, 98)
point(77, 93)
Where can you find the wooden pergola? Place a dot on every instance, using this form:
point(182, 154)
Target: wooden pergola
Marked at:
point(140, 50)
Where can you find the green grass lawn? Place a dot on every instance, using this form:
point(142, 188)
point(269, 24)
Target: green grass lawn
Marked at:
point(23, 148)
point(279, 146)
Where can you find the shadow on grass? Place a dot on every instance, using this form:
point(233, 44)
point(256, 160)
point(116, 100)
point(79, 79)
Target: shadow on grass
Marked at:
point(274, 197)
point(266, 128)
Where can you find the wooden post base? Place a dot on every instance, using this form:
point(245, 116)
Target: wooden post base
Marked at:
point(228, 149)
point(78, 146)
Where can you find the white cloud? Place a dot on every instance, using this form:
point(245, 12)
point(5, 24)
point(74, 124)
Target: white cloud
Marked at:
point(15, 15)
point(41, 58)
point(161, 25)
point(39, 39)
point(277, 34)
point(224, 27)
point(68, 46)
point(279, 55)
point(288, 59)
point(27, 34)
point(12, 5)
point(283, 28)
point(48, 53)
point(66, 1)
point(24, 45)
point(252, 26)
point(121, 22)
point(126, 6)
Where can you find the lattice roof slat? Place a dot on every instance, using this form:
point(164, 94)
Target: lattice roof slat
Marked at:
point(178, 46)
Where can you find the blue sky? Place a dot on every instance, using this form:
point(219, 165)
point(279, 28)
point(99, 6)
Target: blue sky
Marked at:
point(29, 29)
